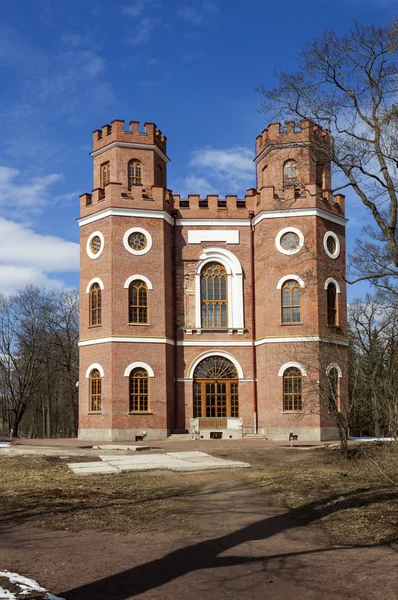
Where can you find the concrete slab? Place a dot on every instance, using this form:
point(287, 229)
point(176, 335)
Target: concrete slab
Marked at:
point(187, 455)
point(120, 447)
point(92, 468)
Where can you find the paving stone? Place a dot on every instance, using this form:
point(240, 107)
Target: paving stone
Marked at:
point(120, 447)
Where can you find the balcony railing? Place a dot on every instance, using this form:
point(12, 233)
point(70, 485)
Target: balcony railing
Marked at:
point(215, 424)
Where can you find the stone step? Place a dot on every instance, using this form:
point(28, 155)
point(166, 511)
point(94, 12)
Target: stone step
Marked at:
point(179, 437)
point(255, 436)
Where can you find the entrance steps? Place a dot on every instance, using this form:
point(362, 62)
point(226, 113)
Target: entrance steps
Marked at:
point(255, 436)
point(179, 437)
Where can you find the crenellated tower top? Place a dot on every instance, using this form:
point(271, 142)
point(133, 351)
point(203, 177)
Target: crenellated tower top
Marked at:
point(115, 133)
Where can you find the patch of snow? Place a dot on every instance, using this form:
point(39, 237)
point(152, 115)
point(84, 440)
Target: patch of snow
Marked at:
point(4, 444)
point(371, 439)
point(26, 587)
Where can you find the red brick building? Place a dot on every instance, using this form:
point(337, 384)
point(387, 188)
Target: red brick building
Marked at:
point(211, 313)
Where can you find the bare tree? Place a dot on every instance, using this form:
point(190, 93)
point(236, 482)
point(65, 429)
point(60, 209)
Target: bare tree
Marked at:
point(348, 85)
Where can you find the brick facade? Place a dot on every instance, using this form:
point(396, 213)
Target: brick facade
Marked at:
point(183, 235)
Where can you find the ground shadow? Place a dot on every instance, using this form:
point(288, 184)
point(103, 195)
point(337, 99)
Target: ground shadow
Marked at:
point(207, 554)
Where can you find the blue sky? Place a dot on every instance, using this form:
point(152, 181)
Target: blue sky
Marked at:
point(191, 67)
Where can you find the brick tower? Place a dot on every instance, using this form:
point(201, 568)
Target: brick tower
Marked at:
point(216, 315)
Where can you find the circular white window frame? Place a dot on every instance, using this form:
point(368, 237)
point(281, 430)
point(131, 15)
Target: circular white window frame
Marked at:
point(90, 253)
point(137, 230)
point(289, 230)
point(327, 235)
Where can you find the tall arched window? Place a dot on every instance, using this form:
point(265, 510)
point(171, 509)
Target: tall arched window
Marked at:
point(291, 311)
point(138, 302)
point(331, 294)
point(213, 291)
point(333, 389)
point(105, 173)
point(134, 173)
point(95, 391)
point(139, 390)
point(292, 390)
point(290, 173)
point(216, 388)
point(95, 305)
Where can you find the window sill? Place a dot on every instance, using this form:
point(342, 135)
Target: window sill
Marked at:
point(140, 412)
point(200, 330)
point(300, 323)
point(138, 324)
point(292, 412)
point(94, 326)
point(95, 412)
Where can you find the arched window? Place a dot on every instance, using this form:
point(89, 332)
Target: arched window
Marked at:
point(139, 390)
point(138, 302)
point(331, 294)
point(134, 173)
point(291, 302)
point(292, 390)
point(95, 305)
point(214, 301)
point(290, 173)
point(95, 391)
point(216, 388)
point(333, 389)
point(105, 173)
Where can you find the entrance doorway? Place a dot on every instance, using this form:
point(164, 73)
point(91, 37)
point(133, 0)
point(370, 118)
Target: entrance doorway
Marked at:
point(215, 388)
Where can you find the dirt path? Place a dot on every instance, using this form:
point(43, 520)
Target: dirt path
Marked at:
point(241, 548)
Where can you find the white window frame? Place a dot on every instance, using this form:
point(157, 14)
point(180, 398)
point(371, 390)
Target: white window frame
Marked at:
point(234, 285)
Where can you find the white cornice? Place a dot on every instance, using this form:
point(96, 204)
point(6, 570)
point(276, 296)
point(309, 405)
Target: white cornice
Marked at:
point(135, 145)
point(299, 212)
point(126, 212)
point(160, 214)
point(213, 344)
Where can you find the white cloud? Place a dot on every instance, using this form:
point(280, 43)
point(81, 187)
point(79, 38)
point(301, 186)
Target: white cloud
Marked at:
point(28, 257)
point(23, 247)
point(204, 13)
point(143, 31)
point(229, 170)
point(17, 192)
point(134, 10)
point(73, 39)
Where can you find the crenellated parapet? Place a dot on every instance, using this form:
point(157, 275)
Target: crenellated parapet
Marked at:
point(194, 203)
point(115, 132)
point(275, 134)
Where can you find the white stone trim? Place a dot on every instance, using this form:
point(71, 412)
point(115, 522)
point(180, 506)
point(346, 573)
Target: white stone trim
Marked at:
point(135, 145)
point(126, 212)
point(134, 365)
point(160, 214)
point(234, 285)
point(291, 364)
point(198, 236)
point(143, 340)
point(92, 367)
point(331, 280)
point(313, 338)
point(327, 235)
point(286, 278)
point(288, 230)
point(137, 230)
point(92, 281)
point(201, 357)
point(219, 343)
point(90, 253)
point(142, 278)
point(299, 212)
point(184, 380)
point(334, 366)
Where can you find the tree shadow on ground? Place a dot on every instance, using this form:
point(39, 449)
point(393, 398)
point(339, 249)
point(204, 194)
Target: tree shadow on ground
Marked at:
point(207, 554)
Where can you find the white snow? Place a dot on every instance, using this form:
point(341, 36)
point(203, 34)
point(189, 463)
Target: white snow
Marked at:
point(372, 439)
point(26, 586)
point(4, 444)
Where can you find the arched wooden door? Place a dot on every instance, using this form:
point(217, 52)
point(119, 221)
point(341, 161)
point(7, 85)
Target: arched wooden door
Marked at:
point(216, 388)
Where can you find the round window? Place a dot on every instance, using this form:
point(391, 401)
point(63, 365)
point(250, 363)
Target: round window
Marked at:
point(331, 244)
point(137, 241)
point(95, 244)
point(290, 241)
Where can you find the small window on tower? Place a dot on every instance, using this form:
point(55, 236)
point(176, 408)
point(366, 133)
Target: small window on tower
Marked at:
point(105, 173)
point(134, 173)
point(290, 173)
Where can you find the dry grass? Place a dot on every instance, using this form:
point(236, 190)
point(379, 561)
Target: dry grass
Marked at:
point(357, 508)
